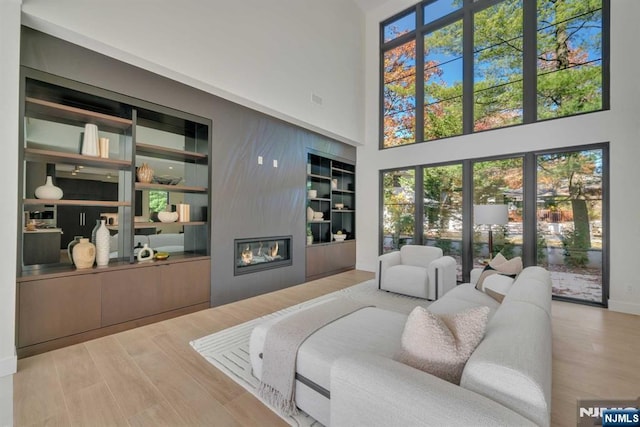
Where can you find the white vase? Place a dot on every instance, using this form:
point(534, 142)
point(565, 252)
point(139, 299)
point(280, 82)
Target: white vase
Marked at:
point(90, 141)
point(94, 231)
point(102, 244)
point(48, 191)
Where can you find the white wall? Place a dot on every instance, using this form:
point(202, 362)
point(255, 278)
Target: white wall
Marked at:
point(265, 55)
point(9, 82)
point(620, 126)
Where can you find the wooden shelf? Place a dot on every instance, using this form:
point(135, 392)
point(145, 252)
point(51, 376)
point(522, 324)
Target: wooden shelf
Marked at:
point(39, 108)
point(320, 199)
point(335, 190)
point(63, 202)
point(343, 171)
point(150, 150)
point(51, 156)
point(322, 177)
point(323, 221)
point(343, 210)
point(175, 188)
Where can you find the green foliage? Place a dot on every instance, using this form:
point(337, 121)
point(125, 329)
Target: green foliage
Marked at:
point(569, 68)
point(575, 254)
point(158, 200)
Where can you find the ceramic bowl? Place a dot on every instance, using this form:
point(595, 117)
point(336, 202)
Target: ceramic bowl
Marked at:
point(339, 205)
point(318, 216)
point(339, 237)
point(168, 216)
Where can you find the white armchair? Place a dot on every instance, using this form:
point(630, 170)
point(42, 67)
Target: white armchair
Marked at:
point(419, 271)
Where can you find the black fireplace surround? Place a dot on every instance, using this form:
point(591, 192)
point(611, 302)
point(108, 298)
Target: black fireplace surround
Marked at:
point(257, 254)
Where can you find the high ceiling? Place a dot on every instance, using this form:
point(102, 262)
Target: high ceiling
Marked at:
point(367, 5)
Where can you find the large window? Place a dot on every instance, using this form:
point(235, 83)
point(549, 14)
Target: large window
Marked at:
point(452, 67)
point(552, 212)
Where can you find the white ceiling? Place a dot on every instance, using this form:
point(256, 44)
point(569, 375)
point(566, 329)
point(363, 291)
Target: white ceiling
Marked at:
point(367, 5)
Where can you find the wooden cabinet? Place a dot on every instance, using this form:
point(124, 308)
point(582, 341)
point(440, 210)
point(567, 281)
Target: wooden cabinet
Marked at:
point(58, 307)
point(330, 191)
point(328, 259)
point(156, 288)
point(58, 311)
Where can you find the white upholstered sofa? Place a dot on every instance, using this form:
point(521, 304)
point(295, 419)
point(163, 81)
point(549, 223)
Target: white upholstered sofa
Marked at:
point(347, 376)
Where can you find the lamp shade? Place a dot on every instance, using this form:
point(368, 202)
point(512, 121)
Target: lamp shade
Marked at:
point(490, 214)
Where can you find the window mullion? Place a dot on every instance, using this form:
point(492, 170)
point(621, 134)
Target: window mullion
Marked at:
point(530, 63)
point(419, 78)
point(467, 72)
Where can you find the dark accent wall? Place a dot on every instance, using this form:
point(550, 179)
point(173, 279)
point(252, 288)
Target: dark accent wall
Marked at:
point(248, 200)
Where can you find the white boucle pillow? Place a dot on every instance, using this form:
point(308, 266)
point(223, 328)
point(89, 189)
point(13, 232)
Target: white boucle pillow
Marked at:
point(441, 344)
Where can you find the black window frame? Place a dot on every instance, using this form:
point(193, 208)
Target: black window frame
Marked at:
point(466, 14)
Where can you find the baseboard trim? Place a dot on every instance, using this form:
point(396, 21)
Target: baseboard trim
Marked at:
point(9, 365)
point(624, 307)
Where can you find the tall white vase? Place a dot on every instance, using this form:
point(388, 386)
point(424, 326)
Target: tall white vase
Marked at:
point(48, 191)
point(102, 244)
point(90, 140)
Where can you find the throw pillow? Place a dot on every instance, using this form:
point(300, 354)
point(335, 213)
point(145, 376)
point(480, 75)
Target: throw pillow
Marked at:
point(500, 265)
point(497, 286)
point(441, 344)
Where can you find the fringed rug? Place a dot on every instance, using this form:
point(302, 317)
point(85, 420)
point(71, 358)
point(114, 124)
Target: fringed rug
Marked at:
point(228, 350)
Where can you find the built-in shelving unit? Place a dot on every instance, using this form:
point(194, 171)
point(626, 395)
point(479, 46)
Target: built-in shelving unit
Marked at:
point(58, 304)
point(333, 183)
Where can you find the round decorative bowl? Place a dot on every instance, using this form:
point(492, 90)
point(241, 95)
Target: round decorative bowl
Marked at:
point(318, 216)
point(339, 237)
point(339, 205)
point(161, 255)
point(168, 216)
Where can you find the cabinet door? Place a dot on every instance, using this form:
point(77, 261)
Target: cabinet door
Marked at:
point(183, 284)
point(69, 219)
point(130, 294)
point(341, 255)
point(54, 308)
point(316, 260)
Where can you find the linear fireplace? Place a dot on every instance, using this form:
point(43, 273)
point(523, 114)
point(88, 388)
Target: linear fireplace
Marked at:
point(264, 253)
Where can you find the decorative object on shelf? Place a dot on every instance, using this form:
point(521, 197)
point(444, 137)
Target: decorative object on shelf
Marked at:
point(71, 245)
point(168, 216)
point(312, 194)
point(144, 173)
point(161, 255)
point(339, 237)
point(48, 190)
point(146, 253)
point(334, 184)
point(110, 218)
point(103, 145)
point(84, 254)
point(102, 244)
point(90, 141)
point(309, 236)
point(166, 180)
point(339, 206)
point(94, 231)
point(310, 213)
point(184, 212)
point(318, 216)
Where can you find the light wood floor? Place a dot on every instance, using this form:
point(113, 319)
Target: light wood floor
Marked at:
point(150, 376)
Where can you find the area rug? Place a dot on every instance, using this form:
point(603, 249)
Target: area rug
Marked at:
point(228, 350)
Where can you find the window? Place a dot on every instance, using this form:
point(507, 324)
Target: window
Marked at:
point(553, 213)
point(398, 223)
point(452, 67)
point(158, 200)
